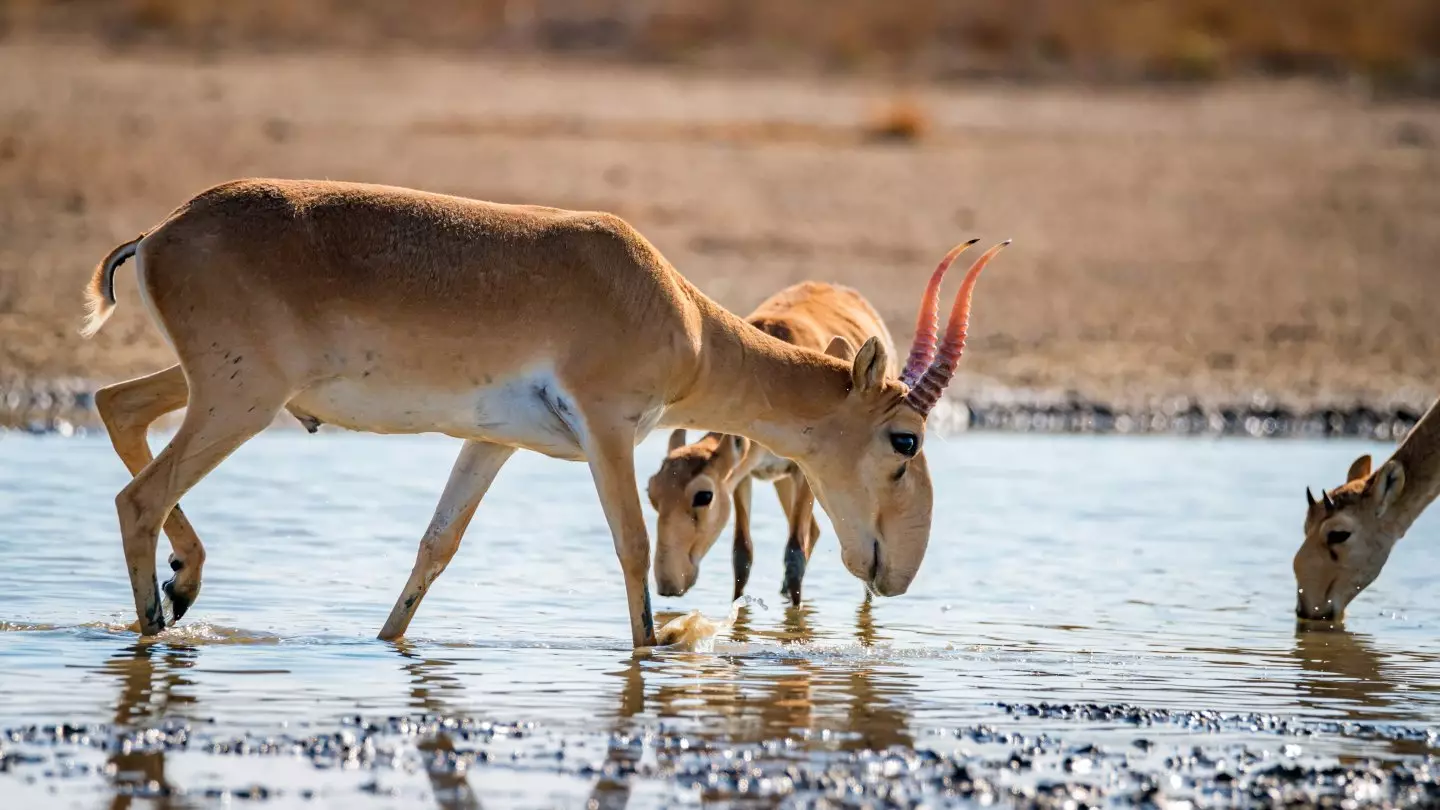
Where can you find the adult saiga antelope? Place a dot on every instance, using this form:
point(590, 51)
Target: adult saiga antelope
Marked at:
point(1350, 530)
point(397, 311)
point(698, 485)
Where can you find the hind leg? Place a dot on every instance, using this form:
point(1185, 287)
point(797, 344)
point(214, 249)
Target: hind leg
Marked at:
point(803, 533)
point(128, 409)
point(219, 420)
point(744, 552)
point(474, 471)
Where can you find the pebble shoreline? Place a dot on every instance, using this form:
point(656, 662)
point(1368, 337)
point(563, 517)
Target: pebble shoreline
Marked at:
point(980, 764)
point(67, 407)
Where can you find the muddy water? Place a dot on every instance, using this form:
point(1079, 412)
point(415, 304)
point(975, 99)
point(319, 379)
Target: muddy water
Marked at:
point(1069, 581)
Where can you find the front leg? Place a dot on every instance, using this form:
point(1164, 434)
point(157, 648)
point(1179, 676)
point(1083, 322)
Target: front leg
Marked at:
point(744, 550)
point(611, 453)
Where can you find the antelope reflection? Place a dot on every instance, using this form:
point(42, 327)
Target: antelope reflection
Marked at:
point(1341, 669)
point(750, 699)
point(432, 688)
point(154, 686)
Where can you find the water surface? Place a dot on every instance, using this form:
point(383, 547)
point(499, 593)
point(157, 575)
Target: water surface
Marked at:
point(1145, 571)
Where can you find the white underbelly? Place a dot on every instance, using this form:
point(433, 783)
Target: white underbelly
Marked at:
point(771, 467)
point(531, 411)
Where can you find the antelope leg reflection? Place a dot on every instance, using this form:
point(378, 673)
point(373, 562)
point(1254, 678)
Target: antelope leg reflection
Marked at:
point(153, 686)
point(431, 684)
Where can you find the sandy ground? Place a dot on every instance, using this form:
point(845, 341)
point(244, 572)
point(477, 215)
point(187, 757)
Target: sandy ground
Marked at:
point(1276, 237)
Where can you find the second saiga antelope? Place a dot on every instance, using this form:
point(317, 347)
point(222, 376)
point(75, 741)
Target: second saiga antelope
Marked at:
point(1351, 529)
point(698, 485)
point(391, 310)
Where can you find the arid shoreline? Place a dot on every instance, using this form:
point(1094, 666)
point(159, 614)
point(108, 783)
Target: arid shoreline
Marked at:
point(1247, 246)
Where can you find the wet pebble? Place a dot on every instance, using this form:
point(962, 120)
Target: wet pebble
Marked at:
point(1017, 767)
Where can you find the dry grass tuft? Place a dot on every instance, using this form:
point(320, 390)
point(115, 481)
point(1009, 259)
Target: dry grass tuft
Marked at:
point(901, 120)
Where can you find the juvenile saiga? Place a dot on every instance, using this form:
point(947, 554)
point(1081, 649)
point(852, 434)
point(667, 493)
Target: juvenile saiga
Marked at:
point(1350, 530)
point(700, 484)
point(391, 310)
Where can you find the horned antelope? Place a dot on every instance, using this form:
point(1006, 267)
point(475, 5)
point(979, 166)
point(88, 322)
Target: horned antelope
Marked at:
point(391, 310)
point(700, 484)
point(1350, 530)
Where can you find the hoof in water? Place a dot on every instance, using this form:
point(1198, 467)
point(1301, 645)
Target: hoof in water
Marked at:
point(794, 573)
point(180, 598)
point(180, 601)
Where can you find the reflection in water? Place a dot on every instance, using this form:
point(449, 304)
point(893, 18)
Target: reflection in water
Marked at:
point(740, 630)
point(1340, 668)
point(879, 722)
point(797, 693)
point(865, 630)
point(431, 689)
point(611, 791)
point(154, 686)
point(797, 624)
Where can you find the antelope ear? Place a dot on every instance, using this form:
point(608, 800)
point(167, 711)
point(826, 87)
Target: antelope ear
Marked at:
point(677, 439)
point(1360, 469)
point(868, 371)
point(841, 349)
point(1387, 486)
point(727, 455)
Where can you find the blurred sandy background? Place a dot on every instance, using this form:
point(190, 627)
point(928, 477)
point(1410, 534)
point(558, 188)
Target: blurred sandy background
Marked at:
point(1208, 198)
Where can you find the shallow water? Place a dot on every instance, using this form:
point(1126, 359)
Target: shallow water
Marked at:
point(1145, 571)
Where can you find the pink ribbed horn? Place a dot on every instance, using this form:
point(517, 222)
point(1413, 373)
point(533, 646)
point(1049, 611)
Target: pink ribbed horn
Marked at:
point(926, 392)
point(927, 323)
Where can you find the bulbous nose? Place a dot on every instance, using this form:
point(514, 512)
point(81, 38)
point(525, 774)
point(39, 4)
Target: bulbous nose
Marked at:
point(1323, 613)
point(883, 585)
point(669, 587)
point(883, 579)
point(672, 579)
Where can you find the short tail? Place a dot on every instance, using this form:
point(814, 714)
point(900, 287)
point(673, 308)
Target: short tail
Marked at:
point(100, 294)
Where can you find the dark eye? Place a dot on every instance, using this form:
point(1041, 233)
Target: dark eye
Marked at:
point(703, 498)
point(906, 444)
point(1336, 538)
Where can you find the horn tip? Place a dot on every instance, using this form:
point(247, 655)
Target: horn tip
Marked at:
point(1006, 242)
point(972, 241)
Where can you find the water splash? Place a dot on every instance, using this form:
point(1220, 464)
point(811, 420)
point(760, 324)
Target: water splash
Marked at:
point(188, 633)
point(695, 633)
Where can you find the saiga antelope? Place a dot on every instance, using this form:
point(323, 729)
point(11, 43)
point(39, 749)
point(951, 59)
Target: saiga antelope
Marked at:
point(1350, 530)
point(698, 485)
point(391, 310)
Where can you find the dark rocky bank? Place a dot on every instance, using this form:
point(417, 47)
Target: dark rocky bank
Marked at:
point(977, 765)
point(67, 407)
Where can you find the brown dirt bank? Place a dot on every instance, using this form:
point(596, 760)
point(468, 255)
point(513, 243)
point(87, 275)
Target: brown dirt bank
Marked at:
point(1393, 45)
point(1275, 237)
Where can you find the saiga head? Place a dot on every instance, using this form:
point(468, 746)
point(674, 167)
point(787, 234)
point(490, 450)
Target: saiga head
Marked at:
point(692, 492)
point(865, 456)
point(1349, 532)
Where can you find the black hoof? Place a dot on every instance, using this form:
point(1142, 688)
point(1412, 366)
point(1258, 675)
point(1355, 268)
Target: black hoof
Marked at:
point(179, 602)
point(154, 622)
point(794, 573)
